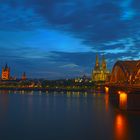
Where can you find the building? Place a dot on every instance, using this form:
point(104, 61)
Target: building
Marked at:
point(24, 76)
point(84, 79)
point(100, 72)
point(5, 73)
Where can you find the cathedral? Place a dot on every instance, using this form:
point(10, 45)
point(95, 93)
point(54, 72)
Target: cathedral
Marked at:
point(100, 72)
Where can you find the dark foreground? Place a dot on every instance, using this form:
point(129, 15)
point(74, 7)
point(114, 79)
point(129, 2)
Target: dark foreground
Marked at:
point(64, 116)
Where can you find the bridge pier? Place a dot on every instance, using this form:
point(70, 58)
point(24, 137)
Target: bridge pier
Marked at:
point(124, 98)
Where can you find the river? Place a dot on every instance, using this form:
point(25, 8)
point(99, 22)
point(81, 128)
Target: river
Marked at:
point(64, 116)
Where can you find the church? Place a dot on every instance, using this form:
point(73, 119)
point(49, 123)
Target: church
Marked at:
point(5, 73)
point(100, 73)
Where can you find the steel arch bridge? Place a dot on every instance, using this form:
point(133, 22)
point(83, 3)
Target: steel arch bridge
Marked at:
point(126, 72)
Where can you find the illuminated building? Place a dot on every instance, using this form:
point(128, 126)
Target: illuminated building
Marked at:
point(5, 73)
point(126, 72)
point(100, 73)
point(82, 79)
point(24, 76)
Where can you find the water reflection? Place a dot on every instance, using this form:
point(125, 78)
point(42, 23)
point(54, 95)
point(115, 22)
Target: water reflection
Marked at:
point(68, 94)
point(107, 102)
point(4, 100)
point(75, 100)
point(4, 91)
point(30, 106)
point(122, 100)
point(85, 94)
point(40, 92)
point(121, 127)
point(107, 98)
point(92, 112)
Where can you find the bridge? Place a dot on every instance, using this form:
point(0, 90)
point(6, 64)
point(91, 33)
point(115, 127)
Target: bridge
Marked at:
point(126, 72)
point(124, 84)
point(126, 75)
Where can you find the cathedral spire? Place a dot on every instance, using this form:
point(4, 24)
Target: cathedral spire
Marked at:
point(104, 67)
point(97, 64)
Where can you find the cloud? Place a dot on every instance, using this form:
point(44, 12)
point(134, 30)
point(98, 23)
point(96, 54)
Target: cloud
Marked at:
point(69, 66)
point(93, 22)
point(45, 35)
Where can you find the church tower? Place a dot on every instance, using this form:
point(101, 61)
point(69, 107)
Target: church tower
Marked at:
point(97, 64)
point(5, 73)
point(24, 76)
point(104, 66)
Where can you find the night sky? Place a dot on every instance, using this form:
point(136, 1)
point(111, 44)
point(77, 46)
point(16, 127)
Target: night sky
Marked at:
point(60, 38)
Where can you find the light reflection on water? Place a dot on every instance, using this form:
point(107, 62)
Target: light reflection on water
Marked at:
point(123, 100)
point(121, 127)
point(72, 115)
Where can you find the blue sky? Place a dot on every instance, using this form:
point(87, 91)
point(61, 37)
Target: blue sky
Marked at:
point(59, 38)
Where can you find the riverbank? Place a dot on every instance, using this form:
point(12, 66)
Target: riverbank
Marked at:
point(89, 90)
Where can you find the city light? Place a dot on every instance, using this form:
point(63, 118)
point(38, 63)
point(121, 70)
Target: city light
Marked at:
point(122, 100)
point(120, 127)
point(106, 89)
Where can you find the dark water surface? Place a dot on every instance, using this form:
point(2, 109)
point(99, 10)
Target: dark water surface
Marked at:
point(64, 116)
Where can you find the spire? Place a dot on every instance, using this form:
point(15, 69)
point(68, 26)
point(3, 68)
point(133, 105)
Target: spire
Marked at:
point(103, 63)
point(6, 67)
point(24, 76)
point(97, 65)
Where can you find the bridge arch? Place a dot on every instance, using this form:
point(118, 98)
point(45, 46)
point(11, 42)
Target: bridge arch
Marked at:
point(125, 72)
point(137, 75)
